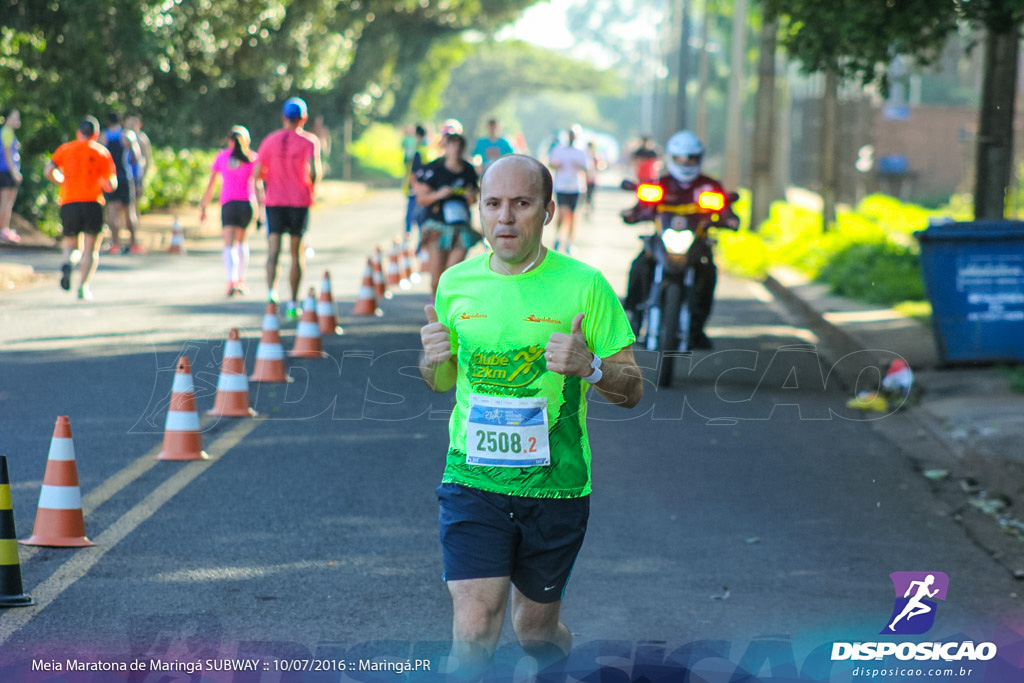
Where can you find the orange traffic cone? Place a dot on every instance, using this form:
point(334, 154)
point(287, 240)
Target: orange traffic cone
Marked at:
point(379, 282)
point(394, 274)
point(177, 238)
point(326, 314)
point(11, 592)
point(366, 304)
point(413, 263)
point(404, 266)
point(59, 519)
point(307, 335)
point(270, 353)
point(182, 440)
point(232, 386)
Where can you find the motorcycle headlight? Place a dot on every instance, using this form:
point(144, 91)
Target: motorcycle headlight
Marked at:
point(677, 241)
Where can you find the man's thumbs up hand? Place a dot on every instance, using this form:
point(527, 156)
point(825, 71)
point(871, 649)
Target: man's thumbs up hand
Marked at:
point(436, 338)
point(567, 354)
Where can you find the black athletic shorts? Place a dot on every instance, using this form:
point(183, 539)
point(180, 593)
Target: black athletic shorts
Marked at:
point(534, 541)
point(125, 192)
point(79, 217)
point(287, 219)
point(7, 180)
point(237, 214)
point(567, 199)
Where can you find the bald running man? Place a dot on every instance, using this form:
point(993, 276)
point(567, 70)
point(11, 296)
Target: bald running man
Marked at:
point(520, 333)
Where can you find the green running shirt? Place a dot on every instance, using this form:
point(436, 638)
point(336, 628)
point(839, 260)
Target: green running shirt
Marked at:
point(500, 326)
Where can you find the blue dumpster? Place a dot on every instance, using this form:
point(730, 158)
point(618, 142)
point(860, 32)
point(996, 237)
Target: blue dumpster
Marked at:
point(974, 273)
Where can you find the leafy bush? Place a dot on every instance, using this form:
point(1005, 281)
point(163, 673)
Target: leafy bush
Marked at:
point(378, 152)
point(879, 273)
point(178, 177)
point(37, 197)
point(870, 254)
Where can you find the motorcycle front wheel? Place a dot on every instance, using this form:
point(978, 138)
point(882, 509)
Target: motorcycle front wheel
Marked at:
point(668, 336)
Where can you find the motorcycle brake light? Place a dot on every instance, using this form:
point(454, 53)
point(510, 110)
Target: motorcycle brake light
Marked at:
point(711, 201)
point(651, 194)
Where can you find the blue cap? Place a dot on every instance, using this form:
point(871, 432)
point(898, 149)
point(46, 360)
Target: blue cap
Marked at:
point(294, 109)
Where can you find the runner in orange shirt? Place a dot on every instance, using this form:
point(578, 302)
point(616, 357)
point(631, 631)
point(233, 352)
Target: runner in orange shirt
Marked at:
point(84, 170)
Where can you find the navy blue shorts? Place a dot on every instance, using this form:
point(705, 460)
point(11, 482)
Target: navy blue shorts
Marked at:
point(534, 541)
point(567, 199)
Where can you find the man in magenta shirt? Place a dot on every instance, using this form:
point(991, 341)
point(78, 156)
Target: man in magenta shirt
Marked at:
point(289, 166)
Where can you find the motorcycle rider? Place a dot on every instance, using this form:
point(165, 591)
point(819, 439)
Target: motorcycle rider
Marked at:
point(682, 184)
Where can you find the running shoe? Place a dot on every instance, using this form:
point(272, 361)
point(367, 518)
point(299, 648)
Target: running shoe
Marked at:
point(84, 293)
point(272, 297)
point(125, 250)
point(232, 289)
point(9, 235)
point(292, 312)
point(241, 288)
point(65, 277)
point(114, 249)
point(136, 249)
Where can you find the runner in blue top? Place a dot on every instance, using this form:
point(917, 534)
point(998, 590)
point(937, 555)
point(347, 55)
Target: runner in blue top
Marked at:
point(491, 147)
point(121, 209)
point(10, 174)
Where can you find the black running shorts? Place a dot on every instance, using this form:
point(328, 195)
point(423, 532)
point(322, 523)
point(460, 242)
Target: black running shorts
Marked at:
point(79, 217)
point(287, 219)
point(236, 214)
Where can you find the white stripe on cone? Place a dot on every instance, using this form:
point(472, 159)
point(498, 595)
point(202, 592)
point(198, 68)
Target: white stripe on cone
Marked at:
point(183, 383)
point(60, 497)
point(61, 449)
point(233, 348)
point(180, 421)
point(268, 351)
point(232, 382)
point(307, 329)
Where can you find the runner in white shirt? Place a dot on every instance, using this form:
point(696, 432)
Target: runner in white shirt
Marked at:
point(570, 165)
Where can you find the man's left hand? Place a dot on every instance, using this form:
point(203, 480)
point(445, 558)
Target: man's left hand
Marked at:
point(568, 354)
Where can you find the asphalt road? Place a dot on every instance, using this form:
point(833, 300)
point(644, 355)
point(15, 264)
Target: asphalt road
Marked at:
point(745, 516)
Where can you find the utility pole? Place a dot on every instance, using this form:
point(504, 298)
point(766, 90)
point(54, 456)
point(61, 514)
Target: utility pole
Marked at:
point(829, 121)
point(734, 110)
point(762, 182)
point(682, 38)
point(701, 120)
point(994, 164)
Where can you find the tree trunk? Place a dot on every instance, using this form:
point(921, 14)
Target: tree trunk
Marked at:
point(701, 125)
point(734, 113)
point(829, 119)
point(762, 182)
point(994, 161)
point(682, 8)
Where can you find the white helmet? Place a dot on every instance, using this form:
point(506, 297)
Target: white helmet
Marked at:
point(683, 155)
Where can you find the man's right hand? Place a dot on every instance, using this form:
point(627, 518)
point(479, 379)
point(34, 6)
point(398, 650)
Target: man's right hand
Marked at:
point(436, 339)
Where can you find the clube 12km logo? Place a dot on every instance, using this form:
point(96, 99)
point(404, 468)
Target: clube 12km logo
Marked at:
point(915, 607)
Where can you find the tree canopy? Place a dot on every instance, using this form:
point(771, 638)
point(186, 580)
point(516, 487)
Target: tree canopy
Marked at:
point(857, 40)
point(193, 68)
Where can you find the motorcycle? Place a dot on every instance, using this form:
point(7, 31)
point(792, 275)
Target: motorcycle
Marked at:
point(679, 246)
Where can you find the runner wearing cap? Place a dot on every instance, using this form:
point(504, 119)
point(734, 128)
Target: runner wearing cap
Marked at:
point(289, 165)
